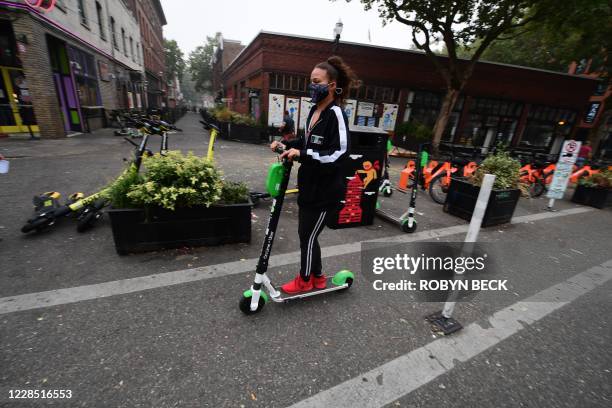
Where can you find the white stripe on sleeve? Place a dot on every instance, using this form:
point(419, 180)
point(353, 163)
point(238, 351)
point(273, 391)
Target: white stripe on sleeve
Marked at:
point(343, 141)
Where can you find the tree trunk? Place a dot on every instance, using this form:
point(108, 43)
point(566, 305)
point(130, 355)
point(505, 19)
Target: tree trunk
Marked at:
point(450, 99)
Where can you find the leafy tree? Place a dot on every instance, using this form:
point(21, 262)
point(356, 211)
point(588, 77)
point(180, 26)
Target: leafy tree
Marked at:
point(200, 64)
point(175, 64)
point(457, 24)
point(579, 31)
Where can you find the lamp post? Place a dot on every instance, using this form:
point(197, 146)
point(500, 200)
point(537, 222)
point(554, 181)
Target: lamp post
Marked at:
point(337, 32)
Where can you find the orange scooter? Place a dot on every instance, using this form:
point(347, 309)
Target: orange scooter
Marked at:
point(407, 175)
point(441, 177)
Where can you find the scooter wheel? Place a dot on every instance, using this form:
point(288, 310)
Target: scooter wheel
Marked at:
point(245, 305)
point(37, 225)
point(88, 220)
point(387, 192)
point(408, 229)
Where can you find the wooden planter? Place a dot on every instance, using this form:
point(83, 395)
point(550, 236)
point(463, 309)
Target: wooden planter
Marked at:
point(155, 228)
point(247, 134)
point(461, 201)
point(593, 196)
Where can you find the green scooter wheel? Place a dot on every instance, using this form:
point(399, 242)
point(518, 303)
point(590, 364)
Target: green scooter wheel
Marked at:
point(343, 277)
point(408, 229)
point(245, 303)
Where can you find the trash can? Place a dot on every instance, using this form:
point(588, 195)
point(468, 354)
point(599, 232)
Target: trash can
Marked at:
point(362, 173)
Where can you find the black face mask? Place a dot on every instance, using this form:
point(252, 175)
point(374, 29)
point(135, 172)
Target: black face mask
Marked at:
point(318, 92)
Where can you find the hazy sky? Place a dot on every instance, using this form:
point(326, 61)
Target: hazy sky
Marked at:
point(190, 21)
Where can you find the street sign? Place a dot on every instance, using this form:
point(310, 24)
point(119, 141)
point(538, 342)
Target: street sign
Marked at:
point(563, 169)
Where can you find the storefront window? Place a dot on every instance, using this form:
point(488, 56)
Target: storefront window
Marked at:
point(85, 74)
point(491, 122)
point(544, 124)
point(8, 51)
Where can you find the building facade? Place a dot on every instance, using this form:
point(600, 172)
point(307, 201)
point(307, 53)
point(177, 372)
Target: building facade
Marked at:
point(66, 64)
point(596, 124)
point(527, 108)
point(151, 19)
point(224, 54)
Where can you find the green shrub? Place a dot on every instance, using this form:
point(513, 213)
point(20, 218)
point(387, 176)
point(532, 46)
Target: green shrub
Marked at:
point(223, 114)
point(234, 193)
point(598, 180)
point(505, 168)
point(117, 191)
point(176, 180)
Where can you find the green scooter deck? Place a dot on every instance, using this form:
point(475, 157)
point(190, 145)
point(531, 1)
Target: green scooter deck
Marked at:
point(330, 287)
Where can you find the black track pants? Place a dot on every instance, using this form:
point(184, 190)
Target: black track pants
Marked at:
point(311, 223)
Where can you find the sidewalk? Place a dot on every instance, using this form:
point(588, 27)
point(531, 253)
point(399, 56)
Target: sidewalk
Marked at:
point(163, 329)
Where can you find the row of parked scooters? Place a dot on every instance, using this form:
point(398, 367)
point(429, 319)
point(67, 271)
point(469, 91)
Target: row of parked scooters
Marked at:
point(87, 210)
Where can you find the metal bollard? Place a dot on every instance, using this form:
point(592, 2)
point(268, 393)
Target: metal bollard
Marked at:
point(443, 322)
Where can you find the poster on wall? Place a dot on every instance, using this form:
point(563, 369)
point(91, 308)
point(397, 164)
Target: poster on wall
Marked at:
point(365, 109)
point(293, 107)
point(305, 106)
point(389, 116)
point(138, 101)
point(130, 100)
point(350, 110)
point(276, 104)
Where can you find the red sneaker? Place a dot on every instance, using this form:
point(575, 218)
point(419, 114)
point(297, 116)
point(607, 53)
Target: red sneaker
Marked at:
point(319, 282)
point(297, 285)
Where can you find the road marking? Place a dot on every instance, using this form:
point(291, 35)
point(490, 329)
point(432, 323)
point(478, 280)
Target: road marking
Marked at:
point(406, 373)
point(56, 297)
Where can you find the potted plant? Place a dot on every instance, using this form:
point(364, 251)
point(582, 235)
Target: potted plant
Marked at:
point(179, 200)
point(409, 135)
point(223, 117)
point(595, 190)
point(244, 128)
point(462, 193)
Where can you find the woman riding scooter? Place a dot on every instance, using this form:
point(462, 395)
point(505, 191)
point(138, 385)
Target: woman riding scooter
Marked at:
point(321, 153)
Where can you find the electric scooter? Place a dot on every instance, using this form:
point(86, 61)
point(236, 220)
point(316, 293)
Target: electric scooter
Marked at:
point(254, 299)
point(214, 131)
point(406, 221)
point(88, 209)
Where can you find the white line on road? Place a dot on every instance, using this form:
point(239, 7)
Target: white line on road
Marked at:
point(401, 376)
point(56, 297)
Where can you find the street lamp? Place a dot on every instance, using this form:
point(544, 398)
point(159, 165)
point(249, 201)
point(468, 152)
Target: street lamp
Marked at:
point(337, 32)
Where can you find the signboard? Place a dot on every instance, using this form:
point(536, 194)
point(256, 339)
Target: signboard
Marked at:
point(350, 108)
point(365, 109)
point(293, 107)
point(592, 112)
point(305, 106)
point(276, 105)
point(389, 116)
point(563, 169)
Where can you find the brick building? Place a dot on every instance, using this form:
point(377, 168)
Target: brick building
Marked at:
point(65, 64)
point(224, 54)
point(530, 108)
point(151, 19)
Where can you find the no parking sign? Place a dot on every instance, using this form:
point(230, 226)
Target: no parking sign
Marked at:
point(563, 169)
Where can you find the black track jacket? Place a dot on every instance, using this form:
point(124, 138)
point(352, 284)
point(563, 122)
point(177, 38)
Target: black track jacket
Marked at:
point(323, 151)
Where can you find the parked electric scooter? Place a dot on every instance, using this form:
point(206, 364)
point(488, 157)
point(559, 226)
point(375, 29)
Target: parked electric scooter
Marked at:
point(88, 209)
point(254, 299)
point(214, 131)
point(406, 221)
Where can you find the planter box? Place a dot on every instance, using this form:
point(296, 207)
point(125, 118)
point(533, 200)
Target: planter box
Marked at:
point(461, 200)
point(247, 134)
point(152, 229)
point(592, 196)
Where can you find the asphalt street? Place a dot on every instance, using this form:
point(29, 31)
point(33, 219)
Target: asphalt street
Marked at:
point(186, 344)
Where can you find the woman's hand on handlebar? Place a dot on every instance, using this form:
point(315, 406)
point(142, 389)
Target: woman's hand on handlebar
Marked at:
point(290, 154)
point(275, 144)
